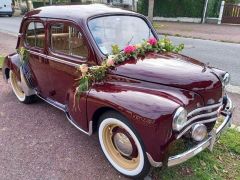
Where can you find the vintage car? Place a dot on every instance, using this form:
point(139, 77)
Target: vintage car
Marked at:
point(142, 108)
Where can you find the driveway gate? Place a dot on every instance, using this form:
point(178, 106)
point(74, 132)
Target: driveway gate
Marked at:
point(231, 14)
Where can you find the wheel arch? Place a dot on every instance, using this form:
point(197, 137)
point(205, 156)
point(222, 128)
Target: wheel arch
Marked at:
point(98, 113)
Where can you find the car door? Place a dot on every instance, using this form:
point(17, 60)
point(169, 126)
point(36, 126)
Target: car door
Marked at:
point(67, 49)
point(34, 42)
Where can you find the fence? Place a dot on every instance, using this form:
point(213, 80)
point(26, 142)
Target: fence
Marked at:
point(231, 14)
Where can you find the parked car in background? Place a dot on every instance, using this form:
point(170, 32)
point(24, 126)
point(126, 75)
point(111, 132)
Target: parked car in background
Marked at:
point(143, 107)
point(6, 7)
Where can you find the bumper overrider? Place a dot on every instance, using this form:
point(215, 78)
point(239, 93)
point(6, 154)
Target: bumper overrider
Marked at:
point(206, 143)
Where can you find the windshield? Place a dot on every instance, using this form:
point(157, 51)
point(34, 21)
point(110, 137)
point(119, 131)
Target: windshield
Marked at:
point(118, 30)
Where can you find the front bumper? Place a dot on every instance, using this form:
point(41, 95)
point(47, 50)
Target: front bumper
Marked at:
point(207, 143)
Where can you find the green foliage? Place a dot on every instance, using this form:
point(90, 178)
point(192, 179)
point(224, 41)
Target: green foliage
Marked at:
point(98, 73)
point(1, 61)
point(222, 163)
point(24, 55)
point(115, 49)
point(173, 8)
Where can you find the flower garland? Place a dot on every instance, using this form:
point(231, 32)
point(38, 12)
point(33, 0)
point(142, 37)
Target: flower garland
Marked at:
point(93, 74)
point(24, 55)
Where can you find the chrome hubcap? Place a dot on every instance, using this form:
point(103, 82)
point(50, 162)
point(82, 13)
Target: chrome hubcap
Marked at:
point(123, 144)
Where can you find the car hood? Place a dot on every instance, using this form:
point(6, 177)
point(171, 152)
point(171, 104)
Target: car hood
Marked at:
point(174, 70)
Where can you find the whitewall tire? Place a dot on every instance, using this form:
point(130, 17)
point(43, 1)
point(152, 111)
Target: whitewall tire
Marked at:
point(16, 87)
point(122, 146)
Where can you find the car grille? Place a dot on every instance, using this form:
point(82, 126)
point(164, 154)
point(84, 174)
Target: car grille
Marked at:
point(206, 113)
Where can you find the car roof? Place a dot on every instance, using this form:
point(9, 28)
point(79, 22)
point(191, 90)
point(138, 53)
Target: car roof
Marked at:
point(75, 12)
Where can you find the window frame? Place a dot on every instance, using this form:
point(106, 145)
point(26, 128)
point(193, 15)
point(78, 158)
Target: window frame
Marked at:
point(27, 23)
point(60, 54)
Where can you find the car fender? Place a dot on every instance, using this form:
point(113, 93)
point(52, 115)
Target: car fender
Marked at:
point(150, 111)
point(12, 62)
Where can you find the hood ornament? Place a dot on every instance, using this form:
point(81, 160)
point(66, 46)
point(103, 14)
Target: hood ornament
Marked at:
point(205, 66)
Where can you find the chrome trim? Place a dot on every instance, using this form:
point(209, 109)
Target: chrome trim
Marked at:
point(152, 162)
point(52, 102)
point(201, 116)
point(76, 126)
point(54, 59)
point(207, 143)
point(64, 109)
point(176, 115)
point(189, 127)
point(36, 53)
point(180, 158)
point(204, 108)
point(62, 61)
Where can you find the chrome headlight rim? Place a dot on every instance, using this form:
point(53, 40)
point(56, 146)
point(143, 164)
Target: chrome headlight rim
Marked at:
point(179, 119)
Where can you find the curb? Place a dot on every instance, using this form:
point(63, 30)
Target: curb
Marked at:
point(233, 89)
point(237, 128)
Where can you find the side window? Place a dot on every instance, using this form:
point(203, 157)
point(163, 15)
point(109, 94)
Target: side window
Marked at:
point(35, 35)
point(68, 40)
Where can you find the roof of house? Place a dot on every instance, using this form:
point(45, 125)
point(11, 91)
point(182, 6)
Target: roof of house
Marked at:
point(75, 12)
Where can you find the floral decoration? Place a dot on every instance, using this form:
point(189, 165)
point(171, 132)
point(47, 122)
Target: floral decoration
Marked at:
point(93, 74)
point(24, 55)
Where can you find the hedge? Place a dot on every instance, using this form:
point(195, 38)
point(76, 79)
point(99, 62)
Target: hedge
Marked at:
point(182, 8)
point(174, 8)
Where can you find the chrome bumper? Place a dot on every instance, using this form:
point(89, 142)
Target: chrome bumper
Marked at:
point(207, 143)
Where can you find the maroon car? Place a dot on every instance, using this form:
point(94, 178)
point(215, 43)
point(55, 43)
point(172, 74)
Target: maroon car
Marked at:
point(142, 108)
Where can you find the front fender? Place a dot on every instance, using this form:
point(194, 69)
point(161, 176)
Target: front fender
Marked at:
point(149, 110)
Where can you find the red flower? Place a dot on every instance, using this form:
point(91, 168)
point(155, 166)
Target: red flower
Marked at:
point(152, 41)
point(129, 49)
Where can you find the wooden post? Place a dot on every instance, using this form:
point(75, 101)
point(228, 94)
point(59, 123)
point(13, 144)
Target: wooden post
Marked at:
point(221, 12)
point(150, 9)
point(204, 11)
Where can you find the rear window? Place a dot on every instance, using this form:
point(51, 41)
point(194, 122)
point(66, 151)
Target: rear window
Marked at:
point(35, 35)
point(67, 39)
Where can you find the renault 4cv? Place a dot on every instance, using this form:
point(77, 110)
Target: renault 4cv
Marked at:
point(108, 71)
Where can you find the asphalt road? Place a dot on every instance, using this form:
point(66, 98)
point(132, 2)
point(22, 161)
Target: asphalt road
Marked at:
point(219, 54)
point(37, 142)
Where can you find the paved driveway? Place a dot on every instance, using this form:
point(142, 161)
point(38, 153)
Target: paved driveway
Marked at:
point(37, 142)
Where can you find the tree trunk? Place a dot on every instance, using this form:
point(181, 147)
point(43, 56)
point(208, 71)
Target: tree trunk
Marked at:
point(150, 9)
point(28, 5)
point(133, 5)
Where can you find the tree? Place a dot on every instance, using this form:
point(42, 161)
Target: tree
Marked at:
point(150, 9)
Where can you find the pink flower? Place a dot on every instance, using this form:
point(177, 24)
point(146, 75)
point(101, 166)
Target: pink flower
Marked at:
point(152, 41)
point(129, 49)
point(110, 62)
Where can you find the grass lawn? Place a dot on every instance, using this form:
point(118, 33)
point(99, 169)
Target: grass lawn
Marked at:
point(222, 163)
point(1, 61)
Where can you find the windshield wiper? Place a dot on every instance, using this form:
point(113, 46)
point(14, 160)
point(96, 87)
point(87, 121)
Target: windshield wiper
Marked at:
point(130, 40)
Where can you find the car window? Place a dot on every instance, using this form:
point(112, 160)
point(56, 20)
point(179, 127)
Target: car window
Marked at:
point(120, 30)
point(68, 40)
point(35, 35)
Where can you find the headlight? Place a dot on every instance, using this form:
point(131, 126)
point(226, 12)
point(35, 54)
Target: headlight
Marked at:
point(225, 79)
point(179, 119)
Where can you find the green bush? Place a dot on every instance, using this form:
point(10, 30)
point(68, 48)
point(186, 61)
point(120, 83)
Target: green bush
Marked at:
point(174, 8)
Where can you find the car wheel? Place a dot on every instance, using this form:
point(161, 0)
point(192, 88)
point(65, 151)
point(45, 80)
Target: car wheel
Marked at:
point(15, 83)
point(10, 15)
point(122, 146)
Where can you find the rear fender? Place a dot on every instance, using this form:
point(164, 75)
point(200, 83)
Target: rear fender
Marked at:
point(13, 63)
